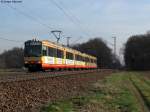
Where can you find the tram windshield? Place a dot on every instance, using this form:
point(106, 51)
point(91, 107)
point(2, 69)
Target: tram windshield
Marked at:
point(33, 49)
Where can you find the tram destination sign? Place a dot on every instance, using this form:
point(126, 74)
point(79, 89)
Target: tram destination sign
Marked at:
point(33, 43)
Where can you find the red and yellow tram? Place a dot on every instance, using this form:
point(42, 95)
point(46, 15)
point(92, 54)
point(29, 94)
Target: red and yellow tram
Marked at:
point(44, 55)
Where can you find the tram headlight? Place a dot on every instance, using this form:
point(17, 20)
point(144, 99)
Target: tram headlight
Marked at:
point(26, 62)
point(39, 62)
point(43, 60)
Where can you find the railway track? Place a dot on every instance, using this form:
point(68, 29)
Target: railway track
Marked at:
point(23, 76)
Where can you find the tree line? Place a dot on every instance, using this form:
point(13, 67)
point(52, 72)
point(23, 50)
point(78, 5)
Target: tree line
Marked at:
point(137, 52)
point(12, 58)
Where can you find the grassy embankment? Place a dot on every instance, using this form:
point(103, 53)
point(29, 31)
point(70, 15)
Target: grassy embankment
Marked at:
point(112, 94)
point(143, 86)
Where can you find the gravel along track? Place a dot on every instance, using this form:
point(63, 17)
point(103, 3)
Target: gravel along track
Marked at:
point(30, 95)
point(20, 76)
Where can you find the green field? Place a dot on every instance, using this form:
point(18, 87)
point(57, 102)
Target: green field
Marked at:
point(120, 92)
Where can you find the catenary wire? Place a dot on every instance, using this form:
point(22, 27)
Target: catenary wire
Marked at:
point(69, 16)
point(30, 17)
point(11, 40)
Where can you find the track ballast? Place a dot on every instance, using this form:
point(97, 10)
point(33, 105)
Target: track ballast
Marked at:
point(23, 76)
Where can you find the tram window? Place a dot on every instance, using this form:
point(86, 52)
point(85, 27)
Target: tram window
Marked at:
point(75, 57)
point(83, 59)
point(78, 58)
point(60, 53)
point(32, 50)
point(93, 61)
point(44, 51)
point(69, 55)
point(87, 59)
point(51, 52)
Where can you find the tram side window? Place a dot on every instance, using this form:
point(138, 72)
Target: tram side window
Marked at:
point(60, 53)
point(94, 61)
point(86, 59)
point(76, 57)
point(44, 51)
point(79, 58)
point(69, 55)
point(89, 60)
point(51, 52)
point(83, 58)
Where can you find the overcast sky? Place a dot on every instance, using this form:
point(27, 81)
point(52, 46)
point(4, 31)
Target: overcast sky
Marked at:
point(81, 20)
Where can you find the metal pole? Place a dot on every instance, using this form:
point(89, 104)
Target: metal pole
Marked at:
point(114, 46)
point(68, 38)
point(114, 52)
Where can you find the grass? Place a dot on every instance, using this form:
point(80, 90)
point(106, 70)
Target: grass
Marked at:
point(111, 94)
point(143, 85)
point(65, 106)
point(119, 94)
